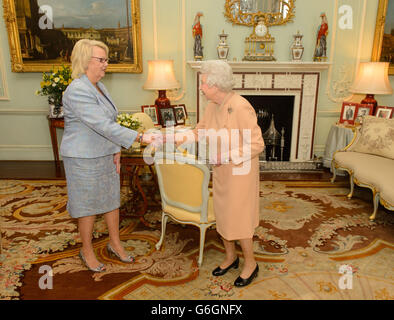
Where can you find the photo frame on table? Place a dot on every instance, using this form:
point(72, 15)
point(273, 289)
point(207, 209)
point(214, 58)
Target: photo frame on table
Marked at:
point(363, 110)
point(180, 113)
point(167, 117)
point(348, 112)
point(384, 112)
point(151, 111)
point(41, 36)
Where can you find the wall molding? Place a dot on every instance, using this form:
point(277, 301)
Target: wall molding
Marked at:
point(173, 95)
point(328, 113)
point(343, 82)
point(21, 111)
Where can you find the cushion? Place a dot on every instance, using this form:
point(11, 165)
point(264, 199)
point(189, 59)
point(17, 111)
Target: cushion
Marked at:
point(347, 159)
point(376, 171)
point(188, 216)
point(377, 137)
point(370, 170)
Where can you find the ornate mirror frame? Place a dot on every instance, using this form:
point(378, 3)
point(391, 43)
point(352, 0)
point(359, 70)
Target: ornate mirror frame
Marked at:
point(250, 19)
point(124, 65)
point(378, 44)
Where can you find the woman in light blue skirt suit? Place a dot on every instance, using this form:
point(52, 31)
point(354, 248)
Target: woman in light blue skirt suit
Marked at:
point(90, 148)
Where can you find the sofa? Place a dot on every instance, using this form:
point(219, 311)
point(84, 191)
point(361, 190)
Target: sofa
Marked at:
point(369, 160)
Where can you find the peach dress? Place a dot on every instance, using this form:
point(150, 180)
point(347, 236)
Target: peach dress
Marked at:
point(235, 196)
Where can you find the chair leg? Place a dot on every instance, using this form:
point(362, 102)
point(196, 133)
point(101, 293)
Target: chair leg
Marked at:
point(350, 195)
point(164, 219)
point(203, 229)
point(375, 206)
point(334, 172)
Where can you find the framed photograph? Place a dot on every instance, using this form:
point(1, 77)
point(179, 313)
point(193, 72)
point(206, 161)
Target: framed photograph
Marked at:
point(151, 111)
point(168, 117)
point(180, 113)
point(383, 44)
point(42, 33)
point(384, 112)
point(348, 112)
point(363, 110)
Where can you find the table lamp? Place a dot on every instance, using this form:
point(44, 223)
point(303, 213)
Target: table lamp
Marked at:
point(161, 77)
point(372, 78)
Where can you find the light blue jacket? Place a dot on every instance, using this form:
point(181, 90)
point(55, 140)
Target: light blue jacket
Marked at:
point(90, 127)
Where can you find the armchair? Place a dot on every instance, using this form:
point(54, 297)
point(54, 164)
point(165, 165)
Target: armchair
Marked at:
point(185, 196)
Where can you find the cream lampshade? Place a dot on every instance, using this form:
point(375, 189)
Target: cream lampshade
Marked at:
point(161, 77)
point(372, 78)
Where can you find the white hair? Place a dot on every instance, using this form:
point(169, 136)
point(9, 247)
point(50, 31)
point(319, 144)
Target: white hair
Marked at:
point(219, 74)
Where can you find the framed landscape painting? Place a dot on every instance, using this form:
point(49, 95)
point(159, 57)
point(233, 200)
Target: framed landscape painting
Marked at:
point(383, 44)
point(42, 33)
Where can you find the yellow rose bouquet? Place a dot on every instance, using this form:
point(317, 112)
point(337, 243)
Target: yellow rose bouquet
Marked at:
point(54, 84)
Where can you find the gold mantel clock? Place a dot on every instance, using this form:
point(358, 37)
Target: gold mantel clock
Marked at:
point(259, 46)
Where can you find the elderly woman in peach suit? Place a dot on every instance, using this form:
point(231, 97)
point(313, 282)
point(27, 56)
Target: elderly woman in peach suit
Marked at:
point(236, 166)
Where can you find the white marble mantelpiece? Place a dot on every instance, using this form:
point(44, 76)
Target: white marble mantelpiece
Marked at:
point(298, 79)
point(279, 66)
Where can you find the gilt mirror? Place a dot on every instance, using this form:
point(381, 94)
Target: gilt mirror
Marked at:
point(247, 12)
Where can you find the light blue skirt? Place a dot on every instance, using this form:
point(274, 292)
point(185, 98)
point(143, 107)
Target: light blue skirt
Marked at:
point(93, 186)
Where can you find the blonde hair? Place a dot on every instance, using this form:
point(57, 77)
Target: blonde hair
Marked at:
point(81, 55)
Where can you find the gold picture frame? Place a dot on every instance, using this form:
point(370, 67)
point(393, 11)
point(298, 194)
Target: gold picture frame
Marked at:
point(45, 49)
point(379, 45)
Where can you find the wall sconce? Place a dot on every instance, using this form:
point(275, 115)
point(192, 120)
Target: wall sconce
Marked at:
point(372, 78)
point(161, 77)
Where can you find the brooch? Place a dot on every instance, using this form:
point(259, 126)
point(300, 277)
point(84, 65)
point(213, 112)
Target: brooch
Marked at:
point(230, 110)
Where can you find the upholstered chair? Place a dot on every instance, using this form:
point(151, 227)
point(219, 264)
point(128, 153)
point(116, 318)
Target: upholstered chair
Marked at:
point(146, 121)
point(184, 194)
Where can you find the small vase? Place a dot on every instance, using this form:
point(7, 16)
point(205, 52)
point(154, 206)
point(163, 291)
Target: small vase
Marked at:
point(297, 49)
point(222, 47)
point(56, 111)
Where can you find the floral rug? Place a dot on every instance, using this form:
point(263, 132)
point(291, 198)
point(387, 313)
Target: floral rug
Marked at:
point(308, 232)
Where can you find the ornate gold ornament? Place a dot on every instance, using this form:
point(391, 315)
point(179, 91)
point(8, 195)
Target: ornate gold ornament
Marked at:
point(260, 14)
point(247, 12)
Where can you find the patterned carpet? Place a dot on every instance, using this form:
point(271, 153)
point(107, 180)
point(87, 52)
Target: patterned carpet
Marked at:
point(307, 231)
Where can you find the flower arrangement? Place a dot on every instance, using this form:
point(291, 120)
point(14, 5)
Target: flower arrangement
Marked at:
point(54, 84)
point(127, 120)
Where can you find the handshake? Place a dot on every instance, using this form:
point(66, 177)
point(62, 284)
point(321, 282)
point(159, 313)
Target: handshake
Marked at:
point(156, 138)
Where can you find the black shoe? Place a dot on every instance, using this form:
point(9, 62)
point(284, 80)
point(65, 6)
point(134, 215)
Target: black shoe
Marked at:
point(219, 271)
point(241, 282)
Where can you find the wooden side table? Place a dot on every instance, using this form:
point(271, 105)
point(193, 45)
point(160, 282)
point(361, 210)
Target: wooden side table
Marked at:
point(131, 166)
point(53, 124)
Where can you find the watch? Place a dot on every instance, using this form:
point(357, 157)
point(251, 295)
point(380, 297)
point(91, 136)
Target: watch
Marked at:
point(139, 137)
point(261, 29)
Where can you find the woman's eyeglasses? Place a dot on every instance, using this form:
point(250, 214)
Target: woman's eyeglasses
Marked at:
point(102, 60)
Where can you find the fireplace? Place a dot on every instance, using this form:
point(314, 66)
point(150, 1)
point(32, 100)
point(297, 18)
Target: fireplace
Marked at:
point(275, 118)
point(271, 85)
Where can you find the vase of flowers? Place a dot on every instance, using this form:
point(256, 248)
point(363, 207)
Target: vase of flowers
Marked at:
point(53, 85)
